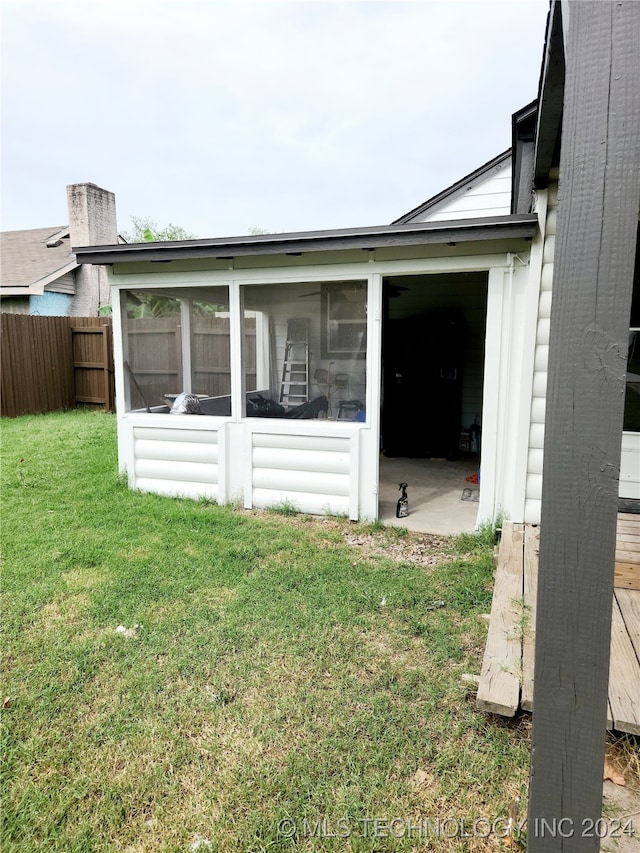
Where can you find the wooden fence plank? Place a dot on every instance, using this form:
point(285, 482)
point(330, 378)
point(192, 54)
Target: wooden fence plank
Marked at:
point(37, 363)
point(36, 373)
point(155, 355)
point(93, 365)
point(109, 373)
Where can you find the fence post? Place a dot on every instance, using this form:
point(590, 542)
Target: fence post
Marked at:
point(107, 359)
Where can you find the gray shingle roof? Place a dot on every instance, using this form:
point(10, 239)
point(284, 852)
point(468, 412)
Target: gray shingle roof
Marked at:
point(33, 258)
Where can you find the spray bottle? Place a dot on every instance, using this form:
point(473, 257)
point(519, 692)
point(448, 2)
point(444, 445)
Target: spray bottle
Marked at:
point(402, 509)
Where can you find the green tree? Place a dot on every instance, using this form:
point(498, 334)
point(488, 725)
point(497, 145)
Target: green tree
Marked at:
point(142, 304)
point(147, 230)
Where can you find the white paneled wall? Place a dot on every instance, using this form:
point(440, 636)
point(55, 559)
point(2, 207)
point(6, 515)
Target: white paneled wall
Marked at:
point(630, 458)
point(533, 491)
point(171, 461)
point(314, 473)
point(630, 466)
point(490, 195)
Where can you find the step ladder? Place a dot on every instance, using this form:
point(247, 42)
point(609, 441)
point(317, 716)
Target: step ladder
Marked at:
point(294, 388)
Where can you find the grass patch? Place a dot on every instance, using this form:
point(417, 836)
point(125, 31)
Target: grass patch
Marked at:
point(271, 669)
point(284, 507)
point(485, 537)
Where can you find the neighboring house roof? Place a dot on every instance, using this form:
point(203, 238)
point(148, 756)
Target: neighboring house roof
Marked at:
point(34, 260)
point(431, 206)
point(415, 233)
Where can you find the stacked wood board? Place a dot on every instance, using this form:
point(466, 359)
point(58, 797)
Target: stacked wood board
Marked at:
point(627, 573)
point(506, 678)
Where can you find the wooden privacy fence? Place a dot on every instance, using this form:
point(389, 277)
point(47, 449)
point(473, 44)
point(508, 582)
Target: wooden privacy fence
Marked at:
point(53, 363)
point(92, 347)
point(155, 357)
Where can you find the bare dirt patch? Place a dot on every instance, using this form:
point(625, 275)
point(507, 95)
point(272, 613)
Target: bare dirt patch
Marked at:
point(421, 551)
point(621, 806)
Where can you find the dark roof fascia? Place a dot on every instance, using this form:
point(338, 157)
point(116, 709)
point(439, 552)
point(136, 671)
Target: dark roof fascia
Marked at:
point(523, 130)
point(454, 188)
point(550, 98)
point(454, 231)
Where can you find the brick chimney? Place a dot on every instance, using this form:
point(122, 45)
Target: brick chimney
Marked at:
point(92, 222)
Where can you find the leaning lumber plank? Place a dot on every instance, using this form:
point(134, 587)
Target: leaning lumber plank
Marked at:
point(624, 676)
point(499, 688)
point(629, 604)
point(531, 551)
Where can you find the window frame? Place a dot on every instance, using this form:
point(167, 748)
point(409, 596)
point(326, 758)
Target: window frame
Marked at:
point(326, 290)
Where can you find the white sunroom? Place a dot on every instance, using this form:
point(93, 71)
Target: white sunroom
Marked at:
point(309, 352)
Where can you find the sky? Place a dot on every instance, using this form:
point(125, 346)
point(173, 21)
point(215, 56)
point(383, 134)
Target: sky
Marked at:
point(286, 115)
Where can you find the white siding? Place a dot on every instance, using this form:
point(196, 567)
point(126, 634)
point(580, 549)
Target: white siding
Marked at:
point(174, 461)
point(313, 473)
point(15, 304)
point(509, 349)
point(65, 284)
point(630, 458)
point(630, 466)
point(489, 195)
point(313, 466)
point(533, 488)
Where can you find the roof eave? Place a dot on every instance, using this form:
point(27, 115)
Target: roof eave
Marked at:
point(36, 288)
point(550, 98)
point(452, 231)
point(523, 126)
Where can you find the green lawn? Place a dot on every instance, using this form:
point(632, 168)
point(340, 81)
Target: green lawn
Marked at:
point(278, 672)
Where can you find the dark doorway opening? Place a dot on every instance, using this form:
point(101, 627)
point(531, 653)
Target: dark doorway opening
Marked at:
point(434, 330)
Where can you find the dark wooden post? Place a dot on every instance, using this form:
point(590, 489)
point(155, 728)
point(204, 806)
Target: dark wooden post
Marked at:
point(593, 276)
